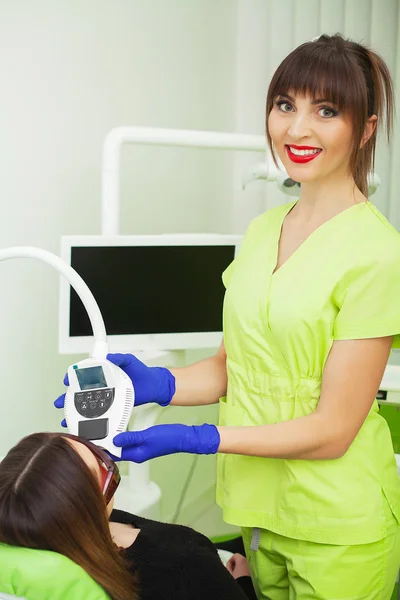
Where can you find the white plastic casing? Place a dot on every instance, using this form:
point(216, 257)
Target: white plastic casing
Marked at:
point(113, 402)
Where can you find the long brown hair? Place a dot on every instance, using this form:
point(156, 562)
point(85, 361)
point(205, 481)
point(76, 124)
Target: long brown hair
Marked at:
point(350, 76)
point(51, 500)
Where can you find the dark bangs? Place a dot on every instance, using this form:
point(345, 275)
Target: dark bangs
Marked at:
point(324, 71)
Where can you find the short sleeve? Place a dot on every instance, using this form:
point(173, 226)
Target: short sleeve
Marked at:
point(371, 302)
point(247, 242)
point(227, 274)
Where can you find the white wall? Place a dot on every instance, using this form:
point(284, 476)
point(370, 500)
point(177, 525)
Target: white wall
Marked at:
point(394, 208)
point(70, 72)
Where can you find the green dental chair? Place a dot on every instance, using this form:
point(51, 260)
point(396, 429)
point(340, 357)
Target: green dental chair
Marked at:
point(42, 575)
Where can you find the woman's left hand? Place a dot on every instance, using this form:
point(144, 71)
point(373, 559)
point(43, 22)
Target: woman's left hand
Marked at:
point(161, 440)
point(238, 566)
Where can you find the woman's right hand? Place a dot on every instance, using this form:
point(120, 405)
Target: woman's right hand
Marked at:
point(238, 566)
point(151, 384)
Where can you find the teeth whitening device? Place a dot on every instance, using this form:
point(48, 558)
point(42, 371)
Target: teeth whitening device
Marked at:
point(100, 396)
point(99, 401)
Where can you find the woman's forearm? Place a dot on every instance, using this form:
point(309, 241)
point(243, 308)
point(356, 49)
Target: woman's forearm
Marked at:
point(202, 383)
point(307, 438)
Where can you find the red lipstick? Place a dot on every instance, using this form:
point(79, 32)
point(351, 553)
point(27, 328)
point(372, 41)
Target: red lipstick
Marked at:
point(302, 159)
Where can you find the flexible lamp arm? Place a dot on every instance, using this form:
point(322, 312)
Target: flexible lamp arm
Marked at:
point(100, 348)
point(158, 137)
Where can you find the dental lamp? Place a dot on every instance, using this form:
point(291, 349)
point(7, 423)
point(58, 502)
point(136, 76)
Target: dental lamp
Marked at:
point(269, 172)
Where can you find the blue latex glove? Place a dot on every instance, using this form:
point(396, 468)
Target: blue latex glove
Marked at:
point(160, 440)
point(151, 384)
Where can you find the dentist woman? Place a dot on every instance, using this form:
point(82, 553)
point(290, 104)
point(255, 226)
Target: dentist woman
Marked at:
point(311, 312)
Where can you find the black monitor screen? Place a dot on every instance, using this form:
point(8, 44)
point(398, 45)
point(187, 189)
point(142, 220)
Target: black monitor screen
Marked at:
point(151, 289)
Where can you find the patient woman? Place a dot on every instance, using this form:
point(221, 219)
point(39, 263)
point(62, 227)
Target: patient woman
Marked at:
point(56, 493)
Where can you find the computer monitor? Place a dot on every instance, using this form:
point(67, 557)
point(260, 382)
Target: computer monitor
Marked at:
point(158, 292)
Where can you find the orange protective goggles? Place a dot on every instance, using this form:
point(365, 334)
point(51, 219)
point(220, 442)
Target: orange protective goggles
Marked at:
point(110, 475)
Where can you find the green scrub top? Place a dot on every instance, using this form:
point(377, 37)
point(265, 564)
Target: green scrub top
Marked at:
point(342, 283)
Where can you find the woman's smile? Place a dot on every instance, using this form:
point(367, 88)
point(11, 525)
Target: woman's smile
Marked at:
point(302, 154)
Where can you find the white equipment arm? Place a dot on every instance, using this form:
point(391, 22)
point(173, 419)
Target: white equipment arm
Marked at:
point(100, 347)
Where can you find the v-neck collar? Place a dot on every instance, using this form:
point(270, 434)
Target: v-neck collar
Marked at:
point(308, 239)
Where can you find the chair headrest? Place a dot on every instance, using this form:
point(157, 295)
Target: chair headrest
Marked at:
point(44, 575)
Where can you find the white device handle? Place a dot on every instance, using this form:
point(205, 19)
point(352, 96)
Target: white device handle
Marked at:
point(100, 347)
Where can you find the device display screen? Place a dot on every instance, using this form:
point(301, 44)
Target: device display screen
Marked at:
point(91, 378)
point(151, 289)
